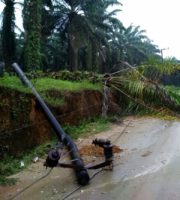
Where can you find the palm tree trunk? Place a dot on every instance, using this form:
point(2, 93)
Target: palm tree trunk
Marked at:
point(89, 57)
point(8, 35)
point(32, 25)
point(94, 58)
point(72, 54)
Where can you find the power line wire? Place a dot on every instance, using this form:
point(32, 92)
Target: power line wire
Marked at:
point(26, 188)
point(9, 133)
point(76, 189)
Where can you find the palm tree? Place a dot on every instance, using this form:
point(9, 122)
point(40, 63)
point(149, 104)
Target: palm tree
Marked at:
point(132, 45)
point(138, 47)
point(54, 51)
point(8, 34)
point(1, 52)
point(105, 24)
point(32, 16)
point(84, 23)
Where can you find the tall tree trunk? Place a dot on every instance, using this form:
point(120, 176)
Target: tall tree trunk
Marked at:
point(94, 57)
point(72, 54)
point(89, 56)
point(8, 35)
point(32, 14)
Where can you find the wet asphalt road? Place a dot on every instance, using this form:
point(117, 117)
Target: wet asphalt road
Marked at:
point(147, 169)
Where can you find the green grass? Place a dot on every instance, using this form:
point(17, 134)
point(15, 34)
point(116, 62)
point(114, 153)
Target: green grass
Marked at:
point(53, 100)
point(48, 84)
point(44, 84)
point(14, 83)
point(10, 165)
point(88, 127)
point(7, 181)
point(174, 92)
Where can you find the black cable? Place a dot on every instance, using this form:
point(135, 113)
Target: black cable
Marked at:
point(96, 173)
point(76, 189)
point(72, 192)
point(24, 189)
point(122, 132)
point(7, 134)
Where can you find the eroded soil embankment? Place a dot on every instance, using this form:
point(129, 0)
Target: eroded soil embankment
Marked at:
point(20, 112)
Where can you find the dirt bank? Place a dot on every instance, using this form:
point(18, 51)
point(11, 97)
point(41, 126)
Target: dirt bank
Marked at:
point(20, 112)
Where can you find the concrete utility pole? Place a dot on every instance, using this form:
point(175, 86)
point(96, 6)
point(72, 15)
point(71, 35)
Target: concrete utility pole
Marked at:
point(161, 51)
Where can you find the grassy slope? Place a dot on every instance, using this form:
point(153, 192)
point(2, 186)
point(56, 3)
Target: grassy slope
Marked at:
point(44, 84)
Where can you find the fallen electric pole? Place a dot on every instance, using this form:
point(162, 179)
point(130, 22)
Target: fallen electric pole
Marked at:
point(53, 157)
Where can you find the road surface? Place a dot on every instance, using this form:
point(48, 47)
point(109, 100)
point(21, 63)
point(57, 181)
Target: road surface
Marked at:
point(147, 169)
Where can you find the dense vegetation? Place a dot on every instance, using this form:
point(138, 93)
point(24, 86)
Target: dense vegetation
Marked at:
point(80, 39)
point(73, 35)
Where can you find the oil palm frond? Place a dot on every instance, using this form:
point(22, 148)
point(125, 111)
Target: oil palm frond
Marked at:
point(142, 90)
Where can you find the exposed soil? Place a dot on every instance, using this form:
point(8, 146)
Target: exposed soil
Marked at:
point(20, 111)
point(92, 150)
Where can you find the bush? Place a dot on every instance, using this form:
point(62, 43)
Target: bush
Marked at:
point(77, 75)
point(66, 75)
